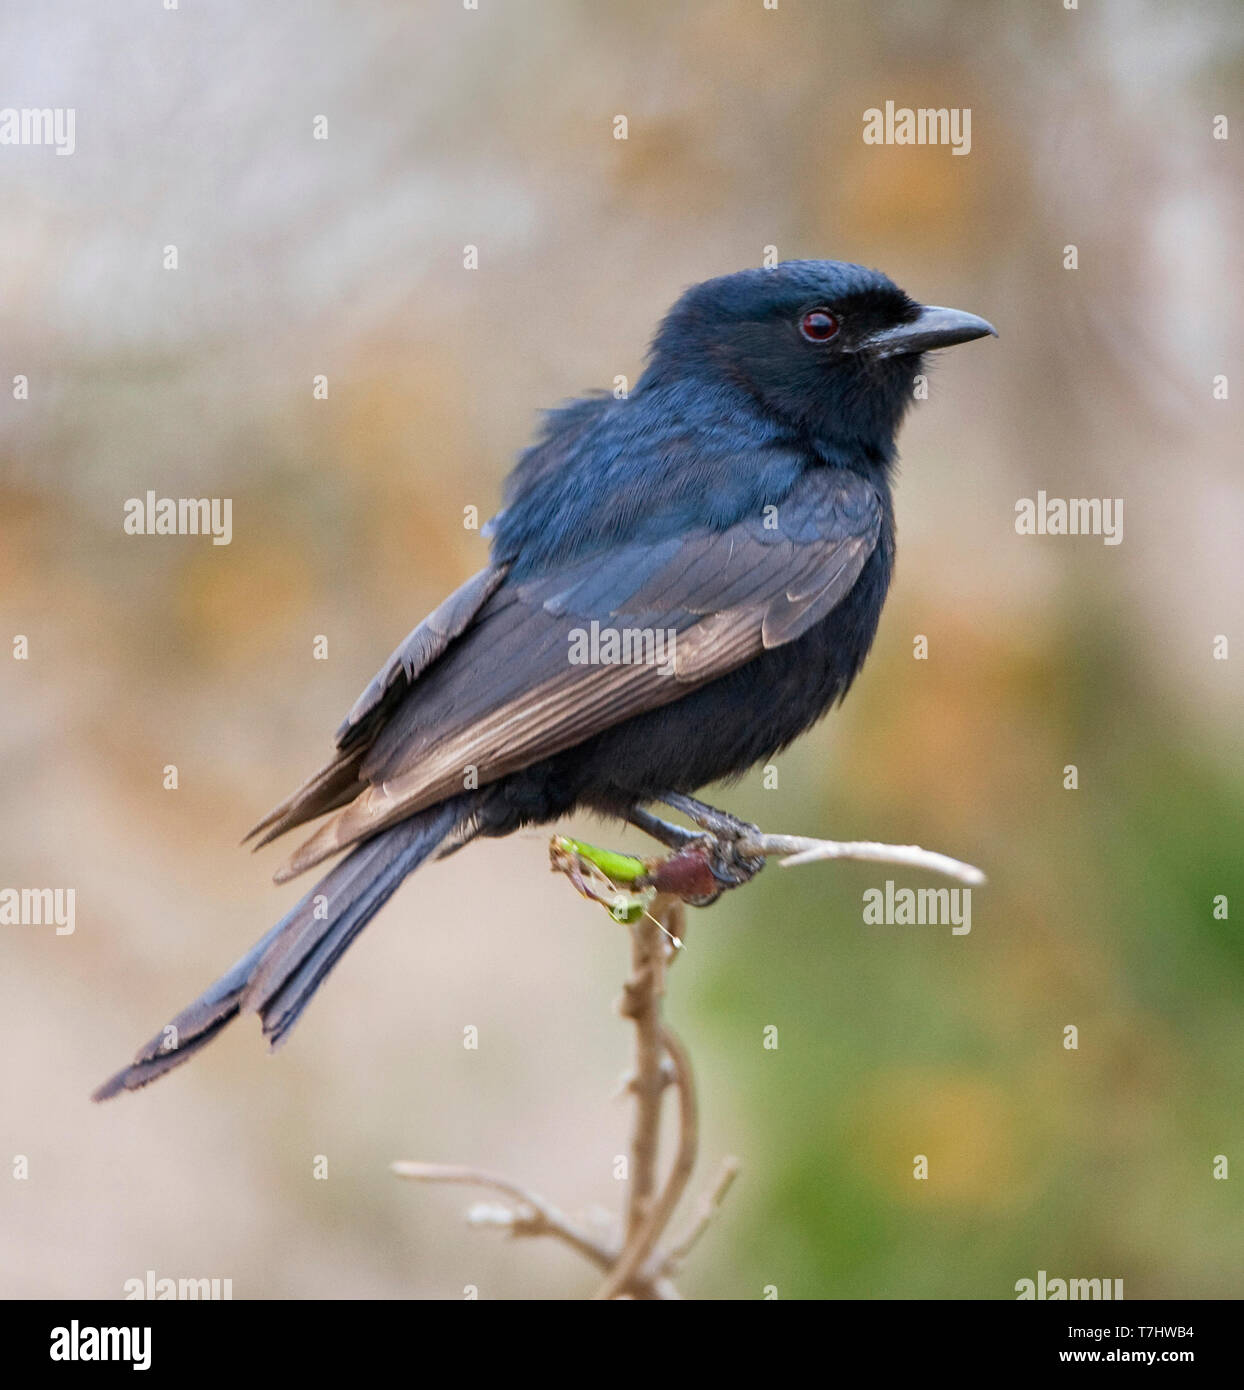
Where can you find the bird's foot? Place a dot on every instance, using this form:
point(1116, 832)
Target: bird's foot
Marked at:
point(703, 865)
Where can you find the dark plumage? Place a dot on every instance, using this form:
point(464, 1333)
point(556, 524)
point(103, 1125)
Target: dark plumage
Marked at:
point(740, 497)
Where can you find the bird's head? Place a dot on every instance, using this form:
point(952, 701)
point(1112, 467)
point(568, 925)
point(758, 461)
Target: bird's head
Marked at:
point(832, 349)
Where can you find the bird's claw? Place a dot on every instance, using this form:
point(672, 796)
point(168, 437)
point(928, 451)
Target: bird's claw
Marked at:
point(727, 863)
point(704, 868)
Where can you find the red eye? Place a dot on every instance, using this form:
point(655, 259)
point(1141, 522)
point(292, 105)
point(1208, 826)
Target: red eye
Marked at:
point(818, 326)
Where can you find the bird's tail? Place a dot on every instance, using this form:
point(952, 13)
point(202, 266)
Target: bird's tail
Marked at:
point(279, 974)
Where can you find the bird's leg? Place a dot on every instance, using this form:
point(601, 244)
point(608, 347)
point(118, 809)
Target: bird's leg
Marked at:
point(719, 840)
point(719, 823)
point(672, 836)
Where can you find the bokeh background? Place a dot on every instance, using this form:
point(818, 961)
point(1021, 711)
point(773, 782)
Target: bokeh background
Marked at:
point(344, 256)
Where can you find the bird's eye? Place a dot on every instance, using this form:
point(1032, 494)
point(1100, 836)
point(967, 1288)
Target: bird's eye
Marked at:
point(818, 326)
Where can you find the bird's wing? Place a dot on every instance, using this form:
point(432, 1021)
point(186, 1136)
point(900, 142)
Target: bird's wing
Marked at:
point(509, 692)
point(339, 782)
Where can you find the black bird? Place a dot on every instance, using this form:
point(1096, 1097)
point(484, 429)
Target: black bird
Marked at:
point(739, 498)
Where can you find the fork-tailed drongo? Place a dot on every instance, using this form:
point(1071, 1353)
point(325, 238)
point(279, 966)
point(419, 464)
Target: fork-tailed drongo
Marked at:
point(735, 508)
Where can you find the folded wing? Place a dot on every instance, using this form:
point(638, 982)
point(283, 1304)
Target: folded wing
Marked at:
point(490, 684)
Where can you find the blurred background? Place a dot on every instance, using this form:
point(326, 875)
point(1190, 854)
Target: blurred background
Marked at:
point(343, 256)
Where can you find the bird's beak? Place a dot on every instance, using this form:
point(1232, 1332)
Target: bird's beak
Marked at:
point(934, 328)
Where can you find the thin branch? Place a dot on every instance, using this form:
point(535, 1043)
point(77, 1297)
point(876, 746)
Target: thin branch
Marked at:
point(710, 1205)
point(798, 849)
point(641, 1002)
point(534, 1217)
point(642, 1238)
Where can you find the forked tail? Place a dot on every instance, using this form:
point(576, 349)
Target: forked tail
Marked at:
point(279, 974)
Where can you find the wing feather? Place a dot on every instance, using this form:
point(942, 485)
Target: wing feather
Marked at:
point(506, 695)
point(339, 782)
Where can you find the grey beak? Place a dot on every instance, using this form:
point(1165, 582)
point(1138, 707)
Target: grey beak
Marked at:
point(935, 328)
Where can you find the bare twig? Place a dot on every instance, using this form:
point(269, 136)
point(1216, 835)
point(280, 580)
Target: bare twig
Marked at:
point(710, 1205)
point(641, 1002)
point(641, 1244)
point(533, 1215)
point(798, 849)
point(660, 1061)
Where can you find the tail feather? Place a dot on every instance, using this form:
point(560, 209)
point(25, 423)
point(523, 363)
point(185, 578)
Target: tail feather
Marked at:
point(278, 975)
point(289, 975)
